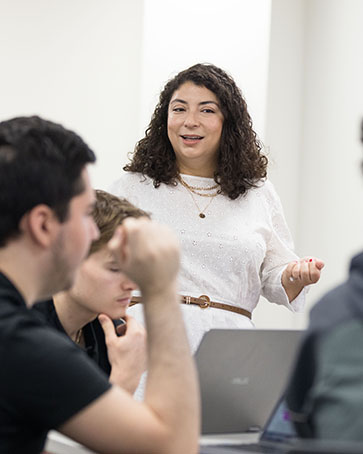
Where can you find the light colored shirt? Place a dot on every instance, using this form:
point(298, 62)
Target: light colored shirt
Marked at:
point(234, 255)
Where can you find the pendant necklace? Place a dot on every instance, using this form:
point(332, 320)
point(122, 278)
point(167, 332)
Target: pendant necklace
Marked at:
point(195, 190)
point(202, 212)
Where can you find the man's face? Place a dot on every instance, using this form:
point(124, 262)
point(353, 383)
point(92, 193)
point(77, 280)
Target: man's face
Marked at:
point(101, 287)
point(74, 238)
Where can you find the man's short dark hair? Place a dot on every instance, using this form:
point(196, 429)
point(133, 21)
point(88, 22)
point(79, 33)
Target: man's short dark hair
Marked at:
point(40, 163)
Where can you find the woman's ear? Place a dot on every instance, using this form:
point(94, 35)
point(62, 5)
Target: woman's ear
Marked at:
point(41, 224)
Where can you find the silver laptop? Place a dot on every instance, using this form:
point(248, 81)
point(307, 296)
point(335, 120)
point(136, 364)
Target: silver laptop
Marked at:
point(278, 436)
point(242, 374)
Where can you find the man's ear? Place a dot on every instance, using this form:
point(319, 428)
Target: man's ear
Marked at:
point(41, 224)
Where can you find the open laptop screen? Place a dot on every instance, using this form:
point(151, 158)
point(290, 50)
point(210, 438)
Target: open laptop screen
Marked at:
point(242, 373)
point(279, 427)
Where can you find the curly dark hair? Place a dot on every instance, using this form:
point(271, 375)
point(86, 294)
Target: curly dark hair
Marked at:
point(240, 161)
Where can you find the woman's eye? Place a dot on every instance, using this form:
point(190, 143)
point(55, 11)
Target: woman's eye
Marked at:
point(208, 110)
point(114, 270)
point(178, 109)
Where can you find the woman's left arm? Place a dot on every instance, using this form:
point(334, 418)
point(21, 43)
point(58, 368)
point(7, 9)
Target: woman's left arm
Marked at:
point(281, 262)
point(300, 273)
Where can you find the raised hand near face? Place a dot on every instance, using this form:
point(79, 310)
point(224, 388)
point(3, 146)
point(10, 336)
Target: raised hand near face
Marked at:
point(127, 354)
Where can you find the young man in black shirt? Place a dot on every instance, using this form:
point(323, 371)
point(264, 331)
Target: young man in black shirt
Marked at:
point(101, 287)
point(46, 382)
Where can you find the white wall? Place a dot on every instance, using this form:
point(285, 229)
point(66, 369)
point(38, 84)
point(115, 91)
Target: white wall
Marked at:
point(76, 62)
point(315, 104)
point(331, 192)
point(284, 108)
point(233, 34)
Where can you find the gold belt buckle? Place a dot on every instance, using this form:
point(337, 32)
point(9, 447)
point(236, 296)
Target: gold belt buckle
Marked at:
point(207, 301)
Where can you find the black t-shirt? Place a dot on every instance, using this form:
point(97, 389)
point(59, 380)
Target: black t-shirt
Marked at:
point(44, 378)
point(93, 334)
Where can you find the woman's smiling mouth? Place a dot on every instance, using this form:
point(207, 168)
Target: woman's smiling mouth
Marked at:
point(191, 138)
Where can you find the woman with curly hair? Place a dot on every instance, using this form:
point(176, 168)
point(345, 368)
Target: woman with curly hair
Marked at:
point(200, 169)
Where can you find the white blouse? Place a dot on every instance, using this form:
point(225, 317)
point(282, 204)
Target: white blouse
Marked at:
point(235, 254)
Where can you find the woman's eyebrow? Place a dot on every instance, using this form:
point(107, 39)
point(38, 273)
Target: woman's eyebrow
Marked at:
point(178, 100)
point(208, 102)
point(202, 103)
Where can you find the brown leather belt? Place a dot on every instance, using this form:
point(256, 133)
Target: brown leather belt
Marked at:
point(203, 302)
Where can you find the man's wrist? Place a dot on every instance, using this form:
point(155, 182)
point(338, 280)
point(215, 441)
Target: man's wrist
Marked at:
point(151, 295)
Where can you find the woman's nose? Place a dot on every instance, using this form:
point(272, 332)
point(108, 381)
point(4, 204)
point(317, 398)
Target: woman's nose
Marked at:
point(191, 120)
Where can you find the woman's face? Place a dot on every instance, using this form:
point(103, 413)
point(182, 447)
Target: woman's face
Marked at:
point(101, 287)
point(195, 124)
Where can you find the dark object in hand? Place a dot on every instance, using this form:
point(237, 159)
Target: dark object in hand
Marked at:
point(120, 326)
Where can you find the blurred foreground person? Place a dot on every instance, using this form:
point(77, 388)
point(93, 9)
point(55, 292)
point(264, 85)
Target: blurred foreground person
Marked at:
point(46, 381)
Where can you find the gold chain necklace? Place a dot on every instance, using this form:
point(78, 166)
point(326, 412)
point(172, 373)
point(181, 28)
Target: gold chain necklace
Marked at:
point(195, 189)
point(201, 212)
